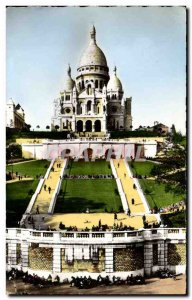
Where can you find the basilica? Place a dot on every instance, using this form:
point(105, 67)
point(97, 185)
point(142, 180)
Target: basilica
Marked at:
point(94, 102)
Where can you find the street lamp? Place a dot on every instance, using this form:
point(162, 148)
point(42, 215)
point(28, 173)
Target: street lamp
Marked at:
point(11, 165)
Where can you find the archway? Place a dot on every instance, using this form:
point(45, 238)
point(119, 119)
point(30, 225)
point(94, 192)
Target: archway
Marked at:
point(97, 125)
point(88, 126)
point(139, 151)
point(87, 153)
point(79, 126)
point(109, 154)
point(65, 153)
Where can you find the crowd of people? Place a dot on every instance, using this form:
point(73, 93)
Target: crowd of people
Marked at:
point(99, 176)
point(88, 282)
point(179, 206)
point(79, 281)
point(99, 227)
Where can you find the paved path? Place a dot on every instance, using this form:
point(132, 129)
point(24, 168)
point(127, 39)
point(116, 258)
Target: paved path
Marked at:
point(21, 162)
point(127, 184)
point(44, 197)
point(17, 179)
point(83, 220)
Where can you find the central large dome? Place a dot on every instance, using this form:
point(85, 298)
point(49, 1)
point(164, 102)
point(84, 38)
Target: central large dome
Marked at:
point(93, 55)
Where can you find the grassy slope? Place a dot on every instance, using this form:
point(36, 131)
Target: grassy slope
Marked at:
point(17, 199)
point(141, 168)
point(89, 168)
point(157, 195)
point(31, 169)
point(96, 194)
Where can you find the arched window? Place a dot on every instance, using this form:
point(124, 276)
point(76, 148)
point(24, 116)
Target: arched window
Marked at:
point(97, 126)
point(83, 85)
point(88, 106)
point(88, 126)
point(89, 89)
point(96, 84)
point(79, 126)
point(98, 109)
point(101, 84)
point(104, 108)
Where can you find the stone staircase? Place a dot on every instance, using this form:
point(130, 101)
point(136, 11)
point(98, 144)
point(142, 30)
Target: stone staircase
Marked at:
point(43, 199)
point(127, 184)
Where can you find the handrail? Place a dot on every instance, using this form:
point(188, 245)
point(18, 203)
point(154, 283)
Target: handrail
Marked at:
point(107, 236)
point(120, 188)
point(57, 188)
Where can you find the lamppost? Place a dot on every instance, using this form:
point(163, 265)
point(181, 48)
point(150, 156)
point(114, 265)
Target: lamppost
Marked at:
point(11, 165)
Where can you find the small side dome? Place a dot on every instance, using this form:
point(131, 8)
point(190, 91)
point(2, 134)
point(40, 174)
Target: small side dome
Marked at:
point(114, 83)
point(69, 83)
point(10, 101)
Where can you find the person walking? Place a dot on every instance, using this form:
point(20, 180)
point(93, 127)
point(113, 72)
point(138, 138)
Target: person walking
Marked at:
point(49, 189)
point(133, 201)
point(45, 187)
point(37, 209)
point(144, 218)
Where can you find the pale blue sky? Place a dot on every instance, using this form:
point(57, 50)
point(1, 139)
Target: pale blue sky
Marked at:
point(148, 46)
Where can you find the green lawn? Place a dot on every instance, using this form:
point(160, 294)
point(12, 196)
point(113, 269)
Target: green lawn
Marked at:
point(31, 168)
point(156, 194)
point(99, 195)
point(141, 168)
point(17, 200)
point(89, 168)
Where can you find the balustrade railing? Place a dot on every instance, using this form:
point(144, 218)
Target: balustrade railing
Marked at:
point(106, 236)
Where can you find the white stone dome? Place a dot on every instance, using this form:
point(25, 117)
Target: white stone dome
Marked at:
point(93, 55)
point(114, 83)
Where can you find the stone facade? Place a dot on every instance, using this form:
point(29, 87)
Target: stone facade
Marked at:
point(40, 258)
point(129, 259)
point(106, 253)
point(15, 116)
point(176, 254)
point(94, 102)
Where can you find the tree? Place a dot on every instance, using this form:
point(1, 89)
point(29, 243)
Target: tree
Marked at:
point(28, 126)
point(56, 127)
point(173, 130)
point(13, 151)
point(47, 127)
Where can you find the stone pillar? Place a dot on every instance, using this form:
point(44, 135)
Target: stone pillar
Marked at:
point(12, 253)
point(161, 254)
point(148, 258)
point(73, 125)
point(108, 260)
point(92, 108)
point(56, 259)
point(84, 127)
point(84, 110)
point(103, 125)
point(24, 255)
point(93, 126)
point(165, 254)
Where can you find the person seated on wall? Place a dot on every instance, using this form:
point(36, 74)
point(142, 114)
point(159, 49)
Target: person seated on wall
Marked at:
point(61, 226)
